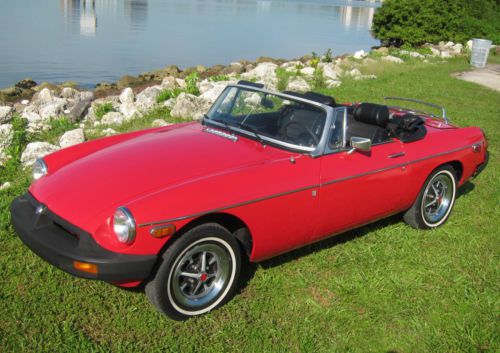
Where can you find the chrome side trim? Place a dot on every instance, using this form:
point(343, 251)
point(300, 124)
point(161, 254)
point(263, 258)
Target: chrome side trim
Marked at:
point(227, 207)
point(334, 181)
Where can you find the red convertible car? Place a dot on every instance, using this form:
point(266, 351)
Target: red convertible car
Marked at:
point(178, 208)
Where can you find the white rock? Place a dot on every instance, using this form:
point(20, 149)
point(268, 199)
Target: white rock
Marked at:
point(36, 150)
point(113, 118)
point(292, 64)
point(181, 83)
point(469, 45)
point(189, 106)
point(159, 123)
point(169, 82)
point(308, 71)
point(392, 59)
point(365, 77)
point(169, 103)
point(129, 110)
point(68, 92)
point(97, 123)
point(25, 102)
point(331, 72)
point(449, 45)
point(413, 54)
point(354, 73)
point(86, 95)
point(185, 106)
point(53, 108)
point(445, 55)
point(6, 136)
point(214, 92)
point(127, 96)
point(261, 71)
point(45, 96)
point(146, 100)
point(108, 132)
point(72, 137)
point(333, 83)
point(5, 114)
point(298, 84)
point(5, 186)
point(457, 48)
point(360, 54)
point(435, 52)
point(35, 121)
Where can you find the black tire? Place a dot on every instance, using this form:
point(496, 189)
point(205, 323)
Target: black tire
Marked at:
point(430, 209)
point(183, 296)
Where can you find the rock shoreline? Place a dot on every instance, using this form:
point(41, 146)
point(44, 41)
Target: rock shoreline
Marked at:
point(185, 94)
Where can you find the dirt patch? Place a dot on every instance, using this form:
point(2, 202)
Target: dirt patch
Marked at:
point(488, 76)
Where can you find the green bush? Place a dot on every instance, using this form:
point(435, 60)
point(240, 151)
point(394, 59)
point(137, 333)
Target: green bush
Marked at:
point(415, 22)
point(166, 94)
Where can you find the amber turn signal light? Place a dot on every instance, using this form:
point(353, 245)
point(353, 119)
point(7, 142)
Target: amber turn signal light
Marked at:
point(163, 231)
point(86, 267)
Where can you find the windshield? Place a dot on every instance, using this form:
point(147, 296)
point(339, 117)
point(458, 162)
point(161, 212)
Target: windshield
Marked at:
point(268, 117)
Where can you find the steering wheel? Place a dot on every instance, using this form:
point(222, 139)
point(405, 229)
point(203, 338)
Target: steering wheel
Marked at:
point(303, 128)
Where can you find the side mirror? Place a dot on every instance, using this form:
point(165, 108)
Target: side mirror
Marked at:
point(360, 144)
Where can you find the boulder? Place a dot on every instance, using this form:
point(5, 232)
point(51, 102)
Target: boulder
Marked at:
point(35, 121)
point(6, 136)
point(5, 185)
point(44, 96)
point(113, 118)
point(354, 73)
point(159, 123)
point(169, 82)
point(392, 59)
point(360, 54)
point(79, 110)
point(127, 81)
point(169, 103)
point(435, 52)
point(469, 45)
point(189, 106)
point(412, 54)
point(146, 100)
point(52, 109)
point(5, 114)
point(457, 48)
point(27, 83)
point(129, 110)
point(445, 55)
point(108, 132)
point(69, 93)
point(72, 137)
point(261, 72)
point(333, 83)
point(127, 96)
point(211, 94)
point(298, 84)
point(308, 71)
point(331, 72)
point(86, 95)
point(35, 150)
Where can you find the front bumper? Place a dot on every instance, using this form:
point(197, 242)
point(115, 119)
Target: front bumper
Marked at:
point(60, 243)
point(483, 165)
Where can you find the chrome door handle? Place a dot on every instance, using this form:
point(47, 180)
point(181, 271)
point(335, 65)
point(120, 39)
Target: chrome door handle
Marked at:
point(396, 155)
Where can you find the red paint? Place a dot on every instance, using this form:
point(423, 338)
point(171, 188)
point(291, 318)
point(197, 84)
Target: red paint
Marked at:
point(177, 171)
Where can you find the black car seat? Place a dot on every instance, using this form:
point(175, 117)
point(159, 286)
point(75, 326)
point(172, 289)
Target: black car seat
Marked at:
point(368, 120)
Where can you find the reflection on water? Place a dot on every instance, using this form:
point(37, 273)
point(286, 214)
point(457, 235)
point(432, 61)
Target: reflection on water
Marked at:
point(95, 40)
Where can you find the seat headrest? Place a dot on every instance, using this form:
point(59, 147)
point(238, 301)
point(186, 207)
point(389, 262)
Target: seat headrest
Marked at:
point(374, 114)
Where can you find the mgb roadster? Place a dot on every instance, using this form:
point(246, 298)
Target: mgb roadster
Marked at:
point(178, 209)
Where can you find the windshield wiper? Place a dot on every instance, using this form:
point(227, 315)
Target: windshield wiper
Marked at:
point(220, 121)
point(253, 131)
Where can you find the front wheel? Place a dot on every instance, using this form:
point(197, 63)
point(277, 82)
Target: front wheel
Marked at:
point(435, 201)
point(199, 272)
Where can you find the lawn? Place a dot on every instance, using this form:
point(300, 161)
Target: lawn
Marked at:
point(384, 287)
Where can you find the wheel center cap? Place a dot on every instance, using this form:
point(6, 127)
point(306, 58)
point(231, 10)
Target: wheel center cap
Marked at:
point(203, 277)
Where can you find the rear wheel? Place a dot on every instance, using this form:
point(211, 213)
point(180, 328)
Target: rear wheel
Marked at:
point(435, 201)
point(199, 273)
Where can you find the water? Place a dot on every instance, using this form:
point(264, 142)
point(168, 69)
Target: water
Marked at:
point(92, 41)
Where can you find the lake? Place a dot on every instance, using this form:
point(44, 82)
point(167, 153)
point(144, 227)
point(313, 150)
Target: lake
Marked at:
point(101, 40)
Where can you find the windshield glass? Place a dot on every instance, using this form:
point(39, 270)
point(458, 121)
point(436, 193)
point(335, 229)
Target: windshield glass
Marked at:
point(268, 117)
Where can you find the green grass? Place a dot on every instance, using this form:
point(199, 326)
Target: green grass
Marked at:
point(102, 109)
point(384, 287)
point(166, 94)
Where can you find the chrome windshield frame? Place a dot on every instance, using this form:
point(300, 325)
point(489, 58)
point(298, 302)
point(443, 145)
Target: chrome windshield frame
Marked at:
point(313, 151)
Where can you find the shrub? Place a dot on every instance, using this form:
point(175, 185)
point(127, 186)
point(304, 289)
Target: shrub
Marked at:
point(166, 94)
point(415, 22)
point(328, 57)
point(191, 81)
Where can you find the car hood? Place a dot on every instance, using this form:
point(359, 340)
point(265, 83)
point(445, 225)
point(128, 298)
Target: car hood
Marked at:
point(118, 174)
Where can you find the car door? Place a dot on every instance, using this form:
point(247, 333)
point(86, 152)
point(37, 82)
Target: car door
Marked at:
point(357, 188)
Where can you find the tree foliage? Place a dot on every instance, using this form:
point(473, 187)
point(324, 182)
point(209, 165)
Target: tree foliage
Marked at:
point(415, 22)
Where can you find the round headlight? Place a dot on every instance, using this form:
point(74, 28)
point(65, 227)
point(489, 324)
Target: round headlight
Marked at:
point(124, 225)
point(39, 169)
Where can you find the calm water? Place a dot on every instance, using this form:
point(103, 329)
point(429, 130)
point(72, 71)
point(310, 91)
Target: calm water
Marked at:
point(92, 41)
